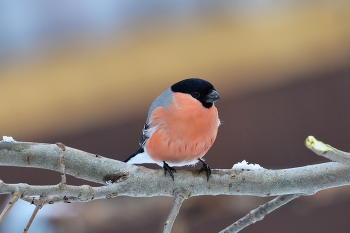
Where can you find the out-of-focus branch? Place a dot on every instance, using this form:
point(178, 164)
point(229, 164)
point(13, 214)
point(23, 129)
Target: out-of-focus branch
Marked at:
point(259, 213)
point(9, 205)
point(36, 210)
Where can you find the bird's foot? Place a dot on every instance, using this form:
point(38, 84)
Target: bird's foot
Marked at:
point(169, 169)
point(205, 168)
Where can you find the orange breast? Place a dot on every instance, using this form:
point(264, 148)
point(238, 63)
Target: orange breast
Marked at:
point(184, 132)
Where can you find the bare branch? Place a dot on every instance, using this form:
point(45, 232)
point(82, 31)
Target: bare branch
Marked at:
point(259, 213)
point(262, 182)
point(138, 181)
point(327, 151)
point(9, 205)
point(36, 210)
point(180, 196)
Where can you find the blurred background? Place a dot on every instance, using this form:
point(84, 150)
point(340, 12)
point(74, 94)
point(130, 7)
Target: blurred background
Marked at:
point(85, 72)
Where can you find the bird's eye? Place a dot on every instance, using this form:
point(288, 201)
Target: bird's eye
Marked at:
point(195, 95)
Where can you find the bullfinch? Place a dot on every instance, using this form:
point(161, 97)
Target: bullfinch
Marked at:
point(181, 126)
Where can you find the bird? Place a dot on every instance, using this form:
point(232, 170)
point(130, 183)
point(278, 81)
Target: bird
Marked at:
point(181, 126)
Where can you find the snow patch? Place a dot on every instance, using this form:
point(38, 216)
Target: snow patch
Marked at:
point(7, 139)
point(244, 165)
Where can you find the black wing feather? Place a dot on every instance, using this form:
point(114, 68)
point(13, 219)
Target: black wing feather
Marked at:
point(140, 150)
point(144, 137)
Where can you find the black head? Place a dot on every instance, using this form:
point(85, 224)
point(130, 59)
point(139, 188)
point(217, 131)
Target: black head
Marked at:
point(199, 89)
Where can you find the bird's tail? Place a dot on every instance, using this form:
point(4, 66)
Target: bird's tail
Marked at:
point(140, 150)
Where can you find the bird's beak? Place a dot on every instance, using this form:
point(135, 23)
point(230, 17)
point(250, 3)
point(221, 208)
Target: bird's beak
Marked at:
point(212, 97)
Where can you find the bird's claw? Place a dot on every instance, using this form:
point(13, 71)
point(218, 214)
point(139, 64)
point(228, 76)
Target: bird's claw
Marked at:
point(169, 169)
point(205, 168)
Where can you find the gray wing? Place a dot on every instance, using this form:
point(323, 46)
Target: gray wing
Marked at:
point(161, 101)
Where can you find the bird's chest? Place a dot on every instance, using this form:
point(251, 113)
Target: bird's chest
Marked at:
point(192, 122)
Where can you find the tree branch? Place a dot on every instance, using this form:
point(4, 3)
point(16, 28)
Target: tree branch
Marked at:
point(180, 196)
point(259, 213)
point(137, 181)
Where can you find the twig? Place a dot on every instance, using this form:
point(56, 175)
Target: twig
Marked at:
point(36, 210)
point(9, 205)
point(327, 151)
point(259, 213)
point(63, 165)
point(180, 195)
